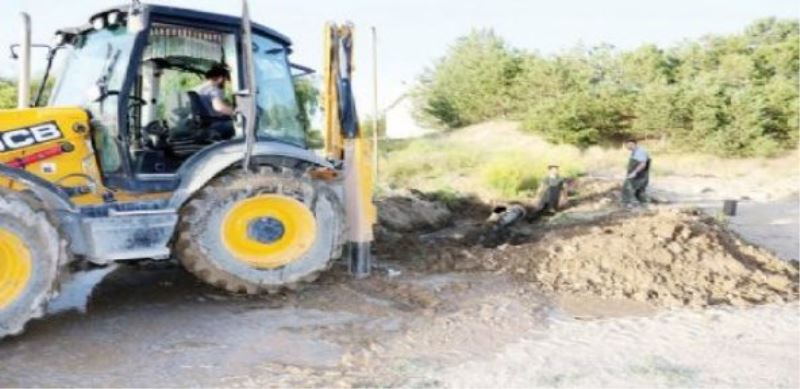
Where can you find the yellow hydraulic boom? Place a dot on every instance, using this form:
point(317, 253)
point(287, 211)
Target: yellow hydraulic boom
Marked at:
point(344, 141)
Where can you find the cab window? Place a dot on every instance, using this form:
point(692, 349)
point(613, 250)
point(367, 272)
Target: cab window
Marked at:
point(98, 58)
point(278, 112)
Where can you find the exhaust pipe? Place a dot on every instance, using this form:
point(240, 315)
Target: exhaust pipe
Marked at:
point(24, 86)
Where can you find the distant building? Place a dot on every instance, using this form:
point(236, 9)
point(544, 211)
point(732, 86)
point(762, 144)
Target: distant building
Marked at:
point(400, 122)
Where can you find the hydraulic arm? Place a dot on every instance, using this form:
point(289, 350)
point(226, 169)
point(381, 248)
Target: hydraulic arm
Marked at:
point(344, 141)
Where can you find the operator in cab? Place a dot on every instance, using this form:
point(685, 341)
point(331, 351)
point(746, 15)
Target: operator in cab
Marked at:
point(212, 97)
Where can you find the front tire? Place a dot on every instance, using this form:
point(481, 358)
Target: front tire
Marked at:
point(31, 253)
point(260, 232)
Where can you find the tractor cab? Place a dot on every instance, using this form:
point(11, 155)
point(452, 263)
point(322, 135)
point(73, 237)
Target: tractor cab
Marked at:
point(140, 82)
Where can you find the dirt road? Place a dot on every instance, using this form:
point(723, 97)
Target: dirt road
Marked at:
point(153, 326)
point(161, 328)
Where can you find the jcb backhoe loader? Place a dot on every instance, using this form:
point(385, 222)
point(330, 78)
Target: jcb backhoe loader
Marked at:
point(122, 163)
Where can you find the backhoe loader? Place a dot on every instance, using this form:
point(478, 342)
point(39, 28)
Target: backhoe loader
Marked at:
point(120, 164)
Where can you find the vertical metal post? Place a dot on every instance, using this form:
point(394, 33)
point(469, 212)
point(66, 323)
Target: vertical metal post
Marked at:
point(150, 91)
point(246, 100)
point(24, 85)
point(375, 111)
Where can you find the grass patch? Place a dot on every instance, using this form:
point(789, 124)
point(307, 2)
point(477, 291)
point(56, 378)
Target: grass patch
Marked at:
point(497, 161)
point(427, 159)
point(490, 166)
point(511, 175)
point(520, 174)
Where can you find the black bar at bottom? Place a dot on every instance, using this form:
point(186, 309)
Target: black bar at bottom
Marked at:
point(359, 258)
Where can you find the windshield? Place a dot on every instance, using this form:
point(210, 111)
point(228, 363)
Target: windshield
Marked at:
point(277, 107)
point(97, 62)
point(98, 57)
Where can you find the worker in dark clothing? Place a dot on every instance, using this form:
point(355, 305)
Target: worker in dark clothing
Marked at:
point(550, 192)
point(638, 175)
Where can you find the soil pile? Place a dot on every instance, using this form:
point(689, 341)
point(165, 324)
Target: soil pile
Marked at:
point(666, 257)
point(408, 211)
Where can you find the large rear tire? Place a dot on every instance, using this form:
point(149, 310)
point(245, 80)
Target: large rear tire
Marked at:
point(260, 232)
point(31, 253)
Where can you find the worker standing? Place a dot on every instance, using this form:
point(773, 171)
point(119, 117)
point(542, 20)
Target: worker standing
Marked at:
point(638, 175)
point(552, 186)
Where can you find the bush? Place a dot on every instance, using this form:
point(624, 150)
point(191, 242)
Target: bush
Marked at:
point(511, 176)
point(520, 174)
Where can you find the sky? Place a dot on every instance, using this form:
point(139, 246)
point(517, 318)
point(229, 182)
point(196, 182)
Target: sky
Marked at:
point(412, 34)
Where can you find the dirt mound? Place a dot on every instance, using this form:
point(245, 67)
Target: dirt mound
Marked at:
point(665, 257)
point(669, 258)
point(408, 211)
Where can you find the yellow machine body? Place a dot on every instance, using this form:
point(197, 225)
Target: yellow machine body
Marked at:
point(125, 186)
point(58, 144)
point(25, 132)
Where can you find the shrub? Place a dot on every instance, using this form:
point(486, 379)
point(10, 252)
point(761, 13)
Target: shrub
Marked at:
point(510, 176)
point(519, 174)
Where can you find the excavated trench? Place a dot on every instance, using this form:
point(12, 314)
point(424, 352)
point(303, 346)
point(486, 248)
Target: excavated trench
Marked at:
point(664, 256)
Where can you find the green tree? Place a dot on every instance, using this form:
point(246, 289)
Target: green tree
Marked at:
point(8, 92)
point(469, 84)
point(734, 94)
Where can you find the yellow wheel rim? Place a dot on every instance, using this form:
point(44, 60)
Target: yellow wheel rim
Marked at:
point(15, 267)
point(268, 231)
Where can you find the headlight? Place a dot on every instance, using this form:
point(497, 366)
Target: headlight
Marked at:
point(98, 22)
point(59, 39)
point(114, 18)
point(63, 38)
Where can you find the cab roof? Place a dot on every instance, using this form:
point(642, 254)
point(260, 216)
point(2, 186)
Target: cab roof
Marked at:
point(201, 18)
